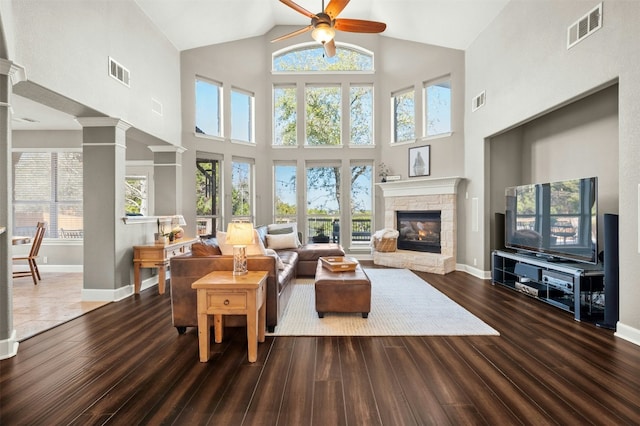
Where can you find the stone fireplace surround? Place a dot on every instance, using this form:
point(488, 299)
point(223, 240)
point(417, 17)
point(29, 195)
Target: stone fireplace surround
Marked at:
point(422, 194)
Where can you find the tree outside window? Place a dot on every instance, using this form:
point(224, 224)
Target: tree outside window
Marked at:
point(285, 193)
point(323, 120)
point(207, 195)
point(404, 123)
point(361, 114)
point(285, 116)
point(241, 190)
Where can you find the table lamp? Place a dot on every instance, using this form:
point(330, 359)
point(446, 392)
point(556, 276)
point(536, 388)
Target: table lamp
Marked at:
point(239, 234)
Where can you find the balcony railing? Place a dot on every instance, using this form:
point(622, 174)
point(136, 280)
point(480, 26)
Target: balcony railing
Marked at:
point(327, 229)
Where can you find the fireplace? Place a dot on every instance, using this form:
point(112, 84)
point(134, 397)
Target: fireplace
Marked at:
point(419, 230)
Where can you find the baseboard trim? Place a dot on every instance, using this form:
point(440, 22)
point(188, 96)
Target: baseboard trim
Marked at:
point(478, 273)
point(9, 347)
point(115, 295)
point(627, 333)
point(60, 268)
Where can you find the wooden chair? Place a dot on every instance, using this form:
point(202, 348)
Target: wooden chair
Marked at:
point(33, 255)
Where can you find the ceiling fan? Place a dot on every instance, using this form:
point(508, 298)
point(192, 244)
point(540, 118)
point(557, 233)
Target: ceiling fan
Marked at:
point(324, 24)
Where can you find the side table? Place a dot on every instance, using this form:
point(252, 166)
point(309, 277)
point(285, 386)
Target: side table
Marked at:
point(222, 293)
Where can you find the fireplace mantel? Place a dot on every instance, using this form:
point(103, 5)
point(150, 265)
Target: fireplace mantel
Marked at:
point(424, 186)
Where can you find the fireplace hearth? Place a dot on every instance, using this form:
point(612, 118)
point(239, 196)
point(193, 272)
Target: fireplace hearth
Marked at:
point(419, 230)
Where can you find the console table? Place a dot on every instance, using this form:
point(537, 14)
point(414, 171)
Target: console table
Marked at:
point(222, 293)
point(157, 256)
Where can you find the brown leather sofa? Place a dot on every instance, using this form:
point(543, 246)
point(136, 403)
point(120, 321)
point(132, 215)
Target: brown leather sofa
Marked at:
point(206, 257)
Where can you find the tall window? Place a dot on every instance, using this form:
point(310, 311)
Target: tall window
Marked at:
point(404, 118)
point(323, 200)
point(285, 116)
point(437, 99)
point(310, 57)
point(207, 194)
point(323, 115)
point(242, 117)
point(47, 188)
point(285, 193)
point(242, 189)
point(208, 107)
point(361, 114)
point(361, 202)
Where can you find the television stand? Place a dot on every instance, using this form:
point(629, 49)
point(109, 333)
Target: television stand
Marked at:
point(570, 286)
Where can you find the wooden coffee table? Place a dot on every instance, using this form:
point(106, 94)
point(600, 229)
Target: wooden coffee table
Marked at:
point(222, 293)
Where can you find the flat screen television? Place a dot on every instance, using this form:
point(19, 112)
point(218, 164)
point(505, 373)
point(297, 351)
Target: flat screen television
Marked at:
point(556, 220)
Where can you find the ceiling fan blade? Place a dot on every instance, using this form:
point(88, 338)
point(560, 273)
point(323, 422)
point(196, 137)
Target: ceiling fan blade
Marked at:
point(359, 26)
point(335, 7)
point(298, 8)
point(330, 48)
point(293, 34)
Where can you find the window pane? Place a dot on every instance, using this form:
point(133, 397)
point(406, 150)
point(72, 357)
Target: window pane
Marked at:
point(136, 194)
point(241, 190)
point(47, 188)
point(284, 116)
point(323, 115)
point(208, 119)
point(323, 200)
point(404, 116)
point(285, 201)
point(313, 58)
point(361, 203)
point(438, 110)
point(241, 116)
point(207, 195)
point(361, 110)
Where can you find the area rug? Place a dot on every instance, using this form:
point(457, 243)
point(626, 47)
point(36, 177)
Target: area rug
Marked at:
point(402, 304)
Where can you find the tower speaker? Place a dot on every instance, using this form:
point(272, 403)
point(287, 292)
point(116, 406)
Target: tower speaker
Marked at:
point(498, 232)
point(611, 272)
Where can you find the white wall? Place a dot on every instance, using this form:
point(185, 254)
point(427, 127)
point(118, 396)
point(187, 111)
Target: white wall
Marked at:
point(64, 46)
point(527, 71)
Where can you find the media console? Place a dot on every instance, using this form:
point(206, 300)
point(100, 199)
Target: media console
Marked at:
point(567, 285)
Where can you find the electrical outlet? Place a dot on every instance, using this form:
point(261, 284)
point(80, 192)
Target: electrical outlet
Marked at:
point(45, 259)
point(475, 262)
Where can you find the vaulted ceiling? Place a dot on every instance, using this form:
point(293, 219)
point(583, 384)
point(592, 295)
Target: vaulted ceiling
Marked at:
point(195, 23)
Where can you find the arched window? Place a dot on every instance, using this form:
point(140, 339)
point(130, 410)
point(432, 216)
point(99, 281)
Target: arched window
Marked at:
point(310, 57)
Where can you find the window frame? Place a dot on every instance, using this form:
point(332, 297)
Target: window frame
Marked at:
point(394, 115)
point(425, 96)
point(251, 122)
point(285, 218)
point(251, 198)
point(220, 107)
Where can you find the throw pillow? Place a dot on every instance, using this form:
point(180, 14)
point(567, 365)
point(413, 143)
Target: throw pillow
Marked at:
point(279, 231)
point(275, 228)
point(204, 248)
point(255, 249)
point(282, 241)
point(271, 252)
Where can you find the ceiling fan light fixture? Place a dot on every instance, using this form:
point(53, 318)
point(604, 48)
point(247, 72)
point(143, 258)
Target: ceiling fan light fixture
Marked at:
point(323, 33)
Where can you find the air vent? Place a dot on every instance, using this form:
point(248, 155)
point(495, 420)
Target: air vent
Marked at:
point(118, 72)
point(156, 106)
point(478, 101)
point(585, 26)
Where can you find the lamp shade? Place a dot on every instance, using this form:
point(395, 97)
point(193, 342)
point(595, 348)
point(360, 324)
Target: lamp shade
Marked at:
point(239, 233)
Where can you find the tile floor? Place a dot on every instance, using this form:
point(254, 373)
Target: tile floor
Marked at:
point(56, 299)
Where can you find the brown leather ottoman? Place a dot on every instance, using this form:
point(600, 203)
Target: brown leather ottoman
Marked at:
point(342, 291)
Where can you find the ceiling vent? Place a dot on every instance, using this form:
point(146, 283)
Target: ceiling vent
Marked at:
point(585, 26)
point(478, 101)
point(118, 72)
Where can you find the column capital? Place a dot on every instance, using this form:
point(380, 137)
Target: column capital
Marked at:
point(103, 122)
point(16, 72)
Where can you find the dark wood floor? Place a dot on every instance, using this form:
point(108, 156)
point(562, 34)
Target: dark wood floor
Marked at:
point(125, 364)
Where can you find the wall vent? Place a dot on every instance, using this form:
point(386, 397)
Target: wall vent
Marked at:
point(585, 26)
point(156, 106)
point(478, 101)
point(118, 72)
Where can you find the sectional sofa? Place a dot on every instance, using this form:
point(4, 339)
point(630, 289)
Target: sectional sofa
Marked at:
point(277, 250)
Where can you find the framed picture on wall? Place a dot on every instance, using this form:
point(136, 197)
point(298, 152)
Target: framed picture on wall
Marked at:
point(419, 161)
